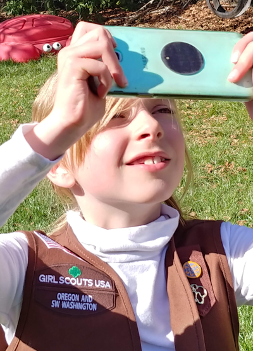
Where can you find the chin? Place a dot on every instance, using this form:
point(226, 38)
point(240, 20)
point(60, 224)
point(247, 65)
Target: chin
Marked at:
point(152, 198)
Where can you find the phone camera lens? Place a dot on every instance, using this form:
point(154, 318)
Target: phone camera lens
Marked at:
point(182, 58)
point(119, 55)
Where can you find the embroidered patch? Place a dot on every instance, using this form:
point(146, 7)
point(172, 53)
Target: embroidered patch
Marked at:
point(75, 302)
point(51, 244)
point(87, 277)
point(74, 289)
point(192, 269)
point(199, 293)
point(75, 271)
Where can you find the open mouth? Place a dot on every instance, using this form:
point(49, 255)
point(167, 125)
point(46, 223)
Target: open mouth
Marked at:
point(148, 160)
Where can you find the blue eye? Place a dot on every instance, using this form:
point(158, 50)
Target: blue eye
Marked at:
point(164, 110)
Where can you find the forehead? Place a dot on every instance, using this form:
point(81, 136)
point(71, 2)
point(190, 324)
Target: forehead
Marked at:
point(148, 103)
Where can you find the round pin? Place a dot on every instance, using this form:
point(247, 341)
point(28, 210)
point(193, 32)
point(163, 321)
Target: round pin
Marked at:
point(192, 269)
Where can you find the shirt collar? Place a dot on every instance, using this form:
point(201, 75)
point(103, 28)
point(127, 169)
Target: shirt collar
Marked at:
point(126, 244)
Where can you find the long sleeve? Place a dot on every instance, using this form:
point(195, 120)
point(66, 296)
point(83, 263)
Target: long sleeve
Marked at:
point(20, 171)
point(13, 263)
point(238, 245)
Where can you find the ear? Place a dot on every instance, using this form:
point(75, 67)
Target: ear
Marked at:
point(61, 176)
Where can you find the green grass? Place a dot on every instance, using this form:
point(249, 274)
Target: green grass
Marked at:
point(19, 85)
point(219, 136)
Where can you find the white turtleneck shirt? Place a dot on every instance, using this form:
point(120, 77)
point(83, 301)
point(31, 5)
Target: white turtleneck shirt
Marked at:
point(137, 256)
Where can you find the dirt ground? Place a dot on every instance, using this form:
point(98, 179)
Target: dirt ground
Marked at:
point(194, 16)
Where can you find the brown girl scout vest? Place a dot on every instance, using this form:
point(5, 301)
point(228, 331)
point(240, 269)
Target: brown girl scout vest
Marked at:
point(3, 343)
point(73, 301)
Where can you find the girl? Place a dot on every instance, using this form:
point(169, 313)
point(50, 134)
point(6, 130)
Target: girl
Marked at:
point(126, 271)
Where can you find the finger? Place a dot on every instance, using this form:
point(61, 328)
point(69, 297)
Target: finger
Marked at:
point(83, 68)
point(110, 59)
point(244, 63)
point(83, 28)
point(240, 47)
point(97, 34)
point(96, 50)
point(101, 71)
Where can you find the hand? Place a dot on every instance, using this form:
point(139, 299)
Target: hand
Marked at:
point(76, 108)
point(242, 57)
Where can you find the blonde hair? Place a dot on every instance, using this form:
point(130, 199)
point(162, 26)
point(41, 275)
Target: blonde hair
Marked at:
point(42, 107)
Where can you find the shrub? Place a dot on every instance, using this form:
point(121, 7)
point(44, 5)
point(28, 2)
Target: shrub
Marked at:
point(82, 7)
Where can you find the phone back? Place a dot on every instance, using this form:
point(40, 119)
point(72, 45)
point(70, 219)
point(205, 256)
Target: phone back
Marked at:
point(178, 63)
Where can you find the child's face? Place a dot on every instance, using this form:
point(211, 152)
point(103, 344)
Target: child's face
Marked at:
point(137, 158)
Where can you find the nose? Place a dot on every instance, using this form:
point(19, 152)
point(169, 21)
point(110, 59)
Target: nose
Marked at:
point(147, 127)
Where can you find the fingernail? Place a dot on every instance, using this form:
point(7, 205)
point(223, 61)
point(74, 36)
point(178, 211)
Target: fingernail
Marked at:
point(233, 75)
point(235, 56)
point(125, 81)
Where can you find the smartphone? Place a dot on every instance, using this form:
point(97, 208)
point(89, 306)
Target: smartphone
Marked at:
point(161, 63)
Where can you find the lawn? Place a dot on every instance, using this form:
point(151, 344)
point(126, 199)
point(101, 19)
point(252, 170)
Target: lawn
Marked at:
point(219, 136)
point(19, 85)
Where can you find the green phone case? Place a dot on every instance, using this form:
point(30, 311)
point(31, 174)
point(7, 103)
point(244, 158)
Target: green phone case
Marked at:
point(202, 60)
